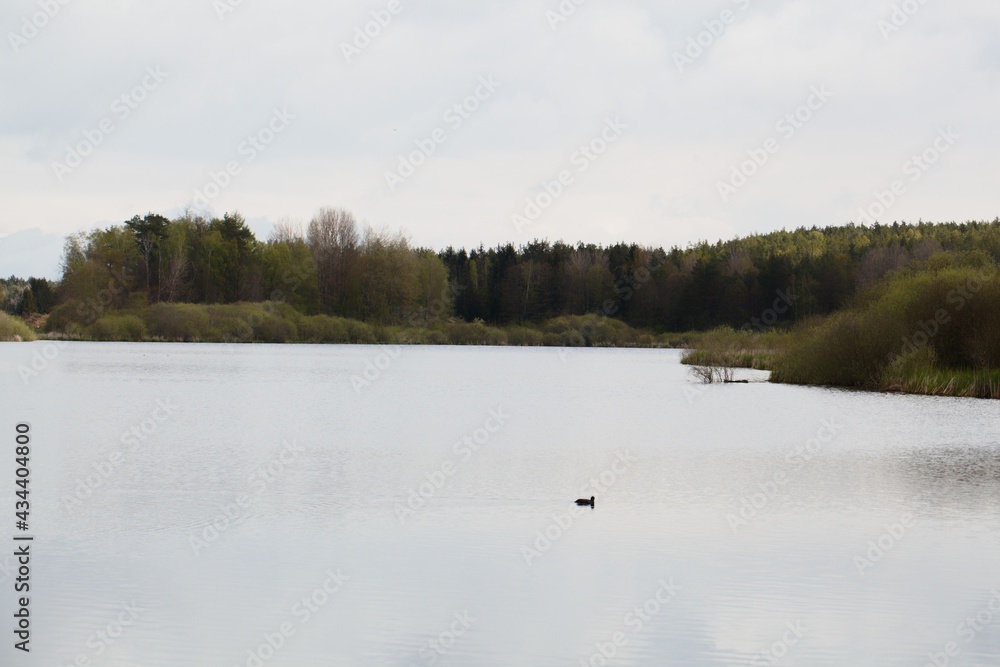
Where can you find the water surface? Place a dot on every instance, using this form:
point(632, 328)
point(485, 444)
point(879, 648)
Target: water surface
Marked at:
point(215, 490)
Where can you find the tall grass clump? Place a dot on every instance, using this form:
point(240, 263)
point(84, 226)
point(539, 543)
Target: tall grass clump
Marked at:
point(942, 382)
point(744, 348)
point(14, 328)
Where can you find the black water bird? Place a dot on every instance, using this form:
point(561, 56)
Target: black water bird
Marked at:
point(584, 501)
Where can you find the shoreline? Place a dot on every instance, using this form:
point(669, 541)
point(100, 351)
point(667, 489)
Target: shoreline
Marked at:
point(945, 383)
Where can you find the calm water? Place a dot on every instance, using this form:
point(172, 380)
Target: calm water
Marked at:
point(218, 501)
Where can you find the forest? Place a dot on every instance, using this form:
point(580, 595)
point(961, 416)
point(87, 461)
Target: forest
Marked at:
point(336, 266)
point(906, 307)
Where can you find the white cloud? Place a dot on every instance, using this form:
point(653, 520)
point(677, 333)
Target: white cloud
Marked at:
point(354, 120)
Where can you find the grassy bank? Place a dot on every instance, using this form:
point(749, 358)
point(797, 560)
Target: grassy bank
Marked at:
point(933, 332)
point(280, 323)
point(936, 332)
point(940, 382)
point(727, 347)
point(14, 328)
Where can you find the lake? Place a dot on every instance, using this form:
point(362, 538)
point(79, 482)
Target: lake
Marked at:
point(353, 505)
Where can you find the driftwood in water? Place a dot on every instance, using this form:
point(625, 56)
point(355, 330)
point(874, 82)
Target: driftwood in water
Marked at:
point(713, 374)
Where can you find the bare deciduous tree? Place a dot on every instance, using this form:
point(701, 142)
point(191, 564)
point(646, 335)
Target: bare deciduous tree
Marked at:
point(287, 230)
point(335, 241)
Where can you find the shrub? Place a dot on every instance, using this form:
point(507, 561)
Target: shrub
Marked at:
point(849, 350)
point(118, 328)
point(13, 328)
point(435, 337)
point(179, 321)
point(230, 329)
point(550, 339)
point(68, 317)
point(524, 336)
point(283, 310)
point(322, 329)
point(359, 332)
point(384, 334)
point(586, 330)
point(908, 327)
point(474, 333)
point(273, 329)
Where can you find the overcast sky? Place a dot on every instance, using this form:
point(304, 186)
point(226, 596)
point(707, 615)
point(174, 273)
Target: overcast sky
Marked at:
point(670, 98)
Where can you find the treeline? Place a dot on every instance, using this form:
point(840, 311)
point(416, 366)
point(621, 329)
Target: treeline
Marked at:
point(338, 267)
point(335, 266)
point(25, 297)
